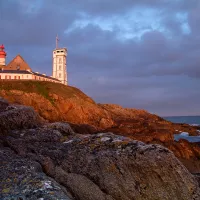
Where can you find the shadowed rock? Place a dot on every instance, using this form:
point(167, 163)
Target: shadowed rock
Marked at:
point(3, 104)
point(127, 169)
point(23, 179)
point(64, 128)
point(115, 167)
point(18, 117)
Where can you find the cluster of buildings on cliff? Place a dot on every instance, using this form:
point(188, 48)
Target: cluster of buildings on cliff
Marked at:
point(18, 69)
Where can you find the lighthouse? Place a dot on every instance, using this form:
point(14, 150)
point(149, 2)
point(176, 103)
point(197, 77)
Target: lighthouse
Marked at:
point(60, 63)
point(2, 56)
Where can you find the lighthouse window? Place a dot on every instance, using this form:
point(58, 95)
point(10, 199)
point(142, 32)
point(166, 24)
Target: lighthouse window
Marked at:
point(60, 75)
point(60, 67)
point(60, 60)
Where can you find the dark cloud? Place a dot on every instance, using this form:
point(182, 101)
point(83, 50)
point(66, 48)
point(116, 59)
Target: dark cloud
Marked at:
point(142, 54)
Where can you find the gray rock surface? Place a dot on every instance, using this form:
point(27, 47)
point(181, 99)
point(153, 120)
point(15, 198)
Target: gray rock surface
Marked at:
point(64, 128)
point(18, 117)
point(23, 179)
point(35, 160)
point(3, 104)
point(126, 169)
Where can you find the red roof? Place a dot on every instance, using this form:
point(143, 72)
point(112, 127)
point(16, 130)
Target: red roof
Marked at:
point(2, 46)
point(2, 52)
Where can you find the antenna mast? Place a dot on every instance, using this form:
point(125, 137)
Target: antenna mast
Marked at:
point(57, 39)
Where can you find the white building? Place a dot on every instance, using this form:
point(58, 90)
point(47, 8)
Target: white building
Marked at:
point(19, 69)
point(25, 75)
point(60, 64)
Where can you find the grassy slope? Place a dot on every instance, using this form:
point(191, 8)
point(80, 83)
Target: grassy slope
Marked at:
point(44, 88)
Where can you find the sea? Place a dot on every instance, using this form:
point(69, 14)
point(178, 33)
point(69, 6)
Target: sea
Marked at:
point(192, 120)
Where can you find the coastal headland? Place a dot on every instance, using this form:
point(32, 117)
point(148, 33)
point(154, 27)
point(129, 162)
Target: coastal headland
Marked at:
point(66, 146)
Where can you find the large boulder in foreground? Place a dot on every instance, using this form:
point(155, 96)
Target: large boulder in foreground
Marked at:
point(105, 166)
point(123, 169)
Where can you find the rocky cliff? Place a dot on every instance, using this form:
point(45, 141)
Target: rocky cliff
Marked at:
point(40, 160)
point(57, 102)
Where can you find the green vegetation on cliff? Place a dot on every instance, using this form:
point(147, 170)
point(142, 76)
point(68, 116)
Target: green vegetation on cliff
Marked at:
point(44, 88)
point(54, 101)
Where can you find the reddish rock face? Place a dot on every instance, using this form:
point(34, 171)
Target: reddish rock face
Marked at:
point(188, 154)
point(68, 105)
point(143, 126)
point(56, 102)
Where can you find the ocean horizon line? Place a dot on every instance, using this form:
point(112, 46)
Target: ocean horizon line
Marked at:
point(181, 116)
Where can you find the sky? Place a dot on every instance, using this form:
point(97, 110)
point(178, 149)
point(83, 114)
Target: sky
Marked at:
point(142, 54)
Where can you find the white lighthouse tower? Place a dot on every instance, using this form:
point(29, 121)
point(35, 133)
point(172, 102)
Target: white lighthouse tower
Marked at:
point(60, 63)
point(2, 56)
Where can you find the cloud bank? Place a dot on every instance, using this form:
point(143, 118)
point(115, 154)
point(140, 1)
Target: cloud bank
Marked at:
point(142, 54)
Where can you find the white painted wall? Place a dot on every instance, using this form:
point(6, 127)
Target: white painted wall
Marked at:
point(2, 61)
point(60, 65)
point(18, 76)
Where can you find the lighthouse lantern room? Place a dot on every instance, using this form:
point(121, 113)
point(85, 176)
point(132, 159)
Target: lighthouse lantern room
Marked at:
point(2, 56)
